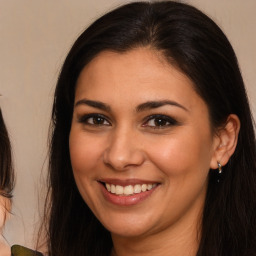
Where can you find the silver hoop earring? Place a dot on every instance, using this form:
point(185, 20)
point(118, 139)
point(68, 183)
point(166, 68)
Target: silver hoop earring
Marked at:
point(220, 168)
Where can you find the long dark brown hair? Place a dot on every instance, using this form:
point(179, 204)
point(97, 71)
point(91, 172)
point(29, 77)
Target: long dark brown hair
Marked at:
point(195, 45)
point(6, 168)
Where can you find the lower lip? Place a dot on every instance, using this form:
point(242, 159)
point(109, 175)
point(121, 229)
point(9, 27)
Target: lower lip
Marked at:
point(126, 200)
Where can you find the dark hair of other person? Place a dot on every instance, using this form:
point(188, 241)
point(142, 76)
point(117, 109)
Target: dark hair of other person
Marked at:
point(194, 44)
point(6, 168)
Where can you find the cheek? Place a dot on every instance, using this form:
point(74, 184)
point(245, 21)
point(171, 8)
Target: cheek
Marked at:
point(84, 156)
point(84, 153)
point(182, 154)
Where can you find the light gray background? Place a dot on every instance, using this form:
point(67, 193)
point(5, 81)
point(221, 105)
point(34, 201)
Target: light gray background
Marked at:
point(35, 36)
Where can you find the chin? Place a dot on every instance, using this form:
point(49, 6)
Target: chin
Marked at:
point(128, 232)
point(129, 227)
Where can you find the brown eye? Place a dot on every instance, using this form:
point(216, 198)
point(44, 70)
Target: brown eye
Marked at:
point(94, 119)
point(159, 121)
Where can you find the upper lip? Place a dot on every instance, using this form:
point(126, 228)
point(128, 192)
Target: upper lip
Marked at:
point(127, 182)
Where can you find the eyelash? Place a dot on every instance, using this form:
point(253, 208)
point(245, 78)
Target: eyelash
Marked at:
point(85, 119)
point(167, 121)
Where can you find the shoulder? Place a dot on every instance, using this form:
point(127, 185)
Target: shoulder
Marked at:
point(18, 250)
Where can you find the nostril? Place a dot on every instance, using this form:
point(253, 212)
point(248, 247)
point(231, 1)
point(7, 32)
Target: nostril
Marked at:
point(123, 151)
point(119, 162)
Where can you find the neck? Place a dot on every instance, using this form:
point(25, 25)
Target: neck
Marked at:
point(179, 240)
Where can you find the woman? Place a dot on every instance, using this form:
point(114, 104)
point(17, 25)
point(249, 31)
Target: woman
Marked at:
point(6, 188)
point(153, 146)
point(6, 183)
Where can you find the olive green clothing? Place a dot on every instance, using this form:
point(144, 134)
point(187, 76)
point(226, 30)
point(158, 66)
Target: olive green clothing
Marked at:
point(18, 250)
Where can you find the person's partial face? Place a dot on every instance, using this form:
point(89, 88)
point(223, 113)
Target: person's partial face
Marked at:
point(141, 144)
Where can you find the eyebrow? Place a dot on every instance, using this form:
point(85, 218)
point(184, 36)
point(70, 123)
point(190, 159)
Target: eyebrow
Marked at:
point(94, 104)
point(142, 107)
point(156, 104)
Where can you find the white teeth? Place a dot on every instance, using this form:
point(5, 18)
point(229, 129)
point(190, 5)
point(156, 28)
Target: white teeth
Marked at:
point(144, 187)
point(108, 187)
point(113, 189)
point(119, 190)
point(130, 189)
point(137, 188)
point(150, 186)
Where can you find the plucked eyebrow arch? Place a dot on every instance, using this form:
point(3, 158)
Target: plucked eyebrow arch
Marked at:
point(156, 104)
point(94, 104)
point(142, 107)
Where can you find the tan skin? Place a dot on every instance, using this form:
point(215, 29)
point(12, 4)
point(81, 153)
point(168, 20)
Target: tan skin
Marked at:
point(127, 139)
point(5, 206)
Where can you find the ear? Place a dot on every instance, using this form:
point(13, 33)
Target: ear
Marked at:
point(225, 141)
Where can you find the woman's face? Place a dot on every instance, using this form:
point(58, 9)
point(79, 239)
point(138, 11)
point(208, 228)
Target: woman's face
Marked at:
point(141, 144)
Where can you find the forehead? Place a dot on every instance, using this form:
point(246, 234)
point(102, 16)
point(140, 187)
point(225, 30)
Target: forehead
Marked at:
point(134, 77)
point(142, 66)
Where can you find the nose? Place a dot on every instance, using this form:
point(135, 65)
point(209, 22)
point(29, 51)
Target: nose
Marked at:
point(123, 151)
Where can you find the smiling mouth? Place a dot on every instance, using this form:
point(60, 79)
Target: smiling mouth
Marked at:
point(129, 190)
